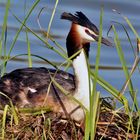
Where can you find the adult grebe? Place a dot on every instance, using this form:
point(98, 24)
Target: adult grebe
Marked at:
point(33, 86)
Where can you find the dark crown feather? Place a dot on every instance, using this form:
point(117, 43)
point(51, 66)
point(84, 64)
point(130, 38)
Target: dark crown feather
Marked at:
point(81, 19)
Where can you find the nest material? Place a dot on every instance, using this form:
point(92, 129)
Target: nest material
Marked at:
point(50, 126)
point(115, 124)
point(112, 125)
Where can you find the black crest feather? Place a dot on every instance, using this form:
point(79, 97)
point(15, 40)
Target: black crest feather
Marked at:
point(81, 19)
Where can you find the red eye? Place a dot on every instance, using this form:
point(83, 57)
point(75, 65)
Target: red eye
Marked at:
point(87, 31)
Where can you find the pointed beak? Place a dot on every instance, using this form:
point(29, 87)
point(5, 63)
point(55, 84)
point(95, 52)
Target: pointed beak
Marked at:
point(106, 42)
point(103, 41)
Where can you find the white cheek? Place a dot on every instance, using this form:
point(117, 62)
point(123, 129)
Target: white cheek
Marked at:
point(83, 34)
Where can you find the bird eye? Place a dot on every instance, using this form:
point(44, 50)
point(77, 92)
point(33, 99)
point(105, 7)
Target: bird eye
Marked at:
point(87, 31)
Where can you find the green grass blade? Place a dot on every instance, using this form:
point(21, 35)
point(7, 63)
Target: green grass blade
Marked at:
point(12, 108)
point(29, 50)
point(50, 22)
point(4, 25)
point(138, 125)
point(4, 33)
point(131, 26)
point(98, 54)
point(4, 121)
point(128, 22)
point(92, 98)
point(37, 56)
point(125, 69)
point(66, 93)
point(24, 21)
point(108, 87)
point(87, 126)
point(94, 116)
point(128, 36)
point(44, 41)
point(5, 50)
point(14, 113)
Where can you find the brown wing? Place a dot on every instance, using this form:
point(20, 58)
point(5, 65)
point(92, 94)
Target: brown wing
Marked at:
point(32, 84)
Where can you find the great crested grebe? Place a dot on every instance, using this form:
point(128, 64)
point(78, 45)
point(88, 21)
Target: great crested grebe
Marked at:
point(33, 86)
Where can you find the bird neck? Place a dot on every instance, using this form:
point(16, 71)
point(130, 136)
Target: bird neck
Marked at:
point(82, 79)
point(75, 42)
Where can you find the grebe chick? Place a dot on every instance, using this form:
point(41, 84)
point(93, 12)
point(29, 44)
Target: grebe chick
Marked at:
point(33, 86)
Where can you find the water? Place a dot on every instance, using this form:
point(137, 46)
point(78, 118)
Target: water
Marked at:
point(109, 56)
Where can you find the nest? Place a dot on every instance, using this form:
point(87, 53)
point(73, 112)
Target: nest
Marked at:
point(51, 127)
point(111, 125)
